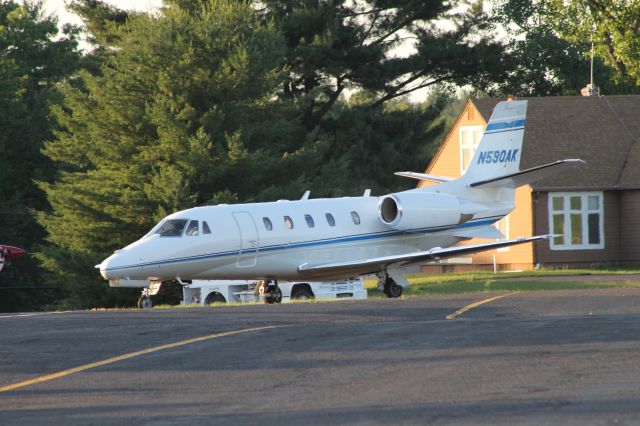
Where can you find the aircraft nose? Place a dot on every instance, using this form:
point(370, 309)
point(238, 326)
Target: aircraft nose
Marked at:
point(103, 270)
point(106, 265)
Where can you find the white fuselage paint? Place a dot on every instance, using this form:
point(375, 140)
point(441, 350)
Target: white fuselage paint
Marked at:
point(393, 229)
point(241, 247)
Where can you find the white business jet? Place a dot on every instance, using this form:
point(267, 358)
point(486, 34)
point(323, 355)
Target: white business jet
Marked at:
point(331, 239)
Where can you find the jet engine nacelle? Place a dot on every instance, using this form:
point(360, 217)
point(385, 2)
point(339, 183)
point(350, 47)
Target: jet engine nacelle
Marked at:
point(418, 210)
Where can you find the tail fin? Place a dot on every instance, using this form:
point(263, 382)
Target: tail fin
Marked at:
point(501, 145)
point(495, 166)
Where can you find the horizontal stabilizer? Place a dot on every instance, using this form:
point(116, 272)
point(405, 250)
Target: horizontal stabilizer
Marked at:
point(378, 263)
point(422, 176)
point(488, 232)
point(514, 180)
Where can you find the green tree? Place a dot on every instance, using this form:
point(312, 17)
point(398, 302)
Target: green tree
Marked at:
point(613, 25)
point(158, 129)
point(550, 46)
point(220, 101)
point(34, 58)
point(388, 48)
point(383, 51)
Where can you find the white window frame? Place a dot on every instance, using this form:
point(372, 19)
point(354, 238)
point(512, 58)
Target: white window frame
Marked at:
point(472, 147)
point(584, 212)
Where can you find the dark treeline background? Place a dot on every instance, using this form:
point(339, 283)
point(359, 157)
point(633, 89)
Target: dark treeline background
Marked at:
point(209, 101)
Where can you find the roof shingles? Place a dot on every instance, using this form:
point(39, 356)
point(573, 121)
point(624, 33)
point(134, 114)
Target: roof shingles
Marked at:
point(603, 131)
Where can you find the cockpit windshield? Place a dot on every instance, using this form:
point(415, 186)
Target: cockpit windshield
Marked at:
point(172, 228)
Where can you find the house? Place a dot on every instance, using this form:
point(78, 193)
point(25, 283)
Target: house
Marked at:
point(595, 208)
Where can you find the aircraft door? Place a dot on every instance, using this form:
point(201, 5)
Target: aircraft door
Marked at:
point(248, 253)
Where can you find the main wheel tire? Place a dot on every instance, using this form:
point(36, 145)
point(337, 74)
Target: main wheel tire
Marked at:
point(277, 295)
point(302, 293)
point(272, 294)
point(214, 298)
point(391, 289)
point(144, 302)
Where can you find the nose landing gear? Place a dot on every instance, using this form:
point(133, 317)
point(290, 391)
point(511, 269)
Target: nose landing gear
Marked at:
point(144, 301)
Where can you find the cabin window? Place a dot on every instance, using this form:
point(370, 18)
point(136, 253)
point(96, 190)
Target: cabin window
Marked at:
point(309, 220)
point(469, 140)
point(330, 220)
point(172, 228)
point(205, 228)
point(193, 229)
point(267, 224)
point(577, 220)
point(288, 222)
point(355, 217)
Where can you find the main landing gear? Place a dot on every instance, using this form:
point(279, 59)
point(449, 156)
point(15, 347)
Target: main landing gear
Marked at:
point(272, 293)
point(388, 286)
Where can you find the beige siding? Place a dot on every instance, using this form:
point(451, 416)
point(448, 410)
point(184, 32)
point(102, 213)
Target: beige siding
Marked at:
point(621, 207)
point(520, 225)
point(447, 163)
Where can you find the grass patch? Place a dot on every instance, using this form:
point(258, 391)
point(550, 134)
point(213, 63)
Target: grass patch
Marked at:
point(484, 282)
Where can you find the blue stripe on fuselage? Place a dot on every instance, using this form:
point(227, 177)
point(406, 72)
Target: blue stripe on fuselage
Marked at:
point(314, 243)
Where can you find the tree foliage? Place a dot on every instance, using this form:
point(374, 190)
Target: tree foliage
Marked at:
point(550, 46)
point(389, 49)
point(34, 57)
point(613, 25)
point(158, 129)
point(212, 101)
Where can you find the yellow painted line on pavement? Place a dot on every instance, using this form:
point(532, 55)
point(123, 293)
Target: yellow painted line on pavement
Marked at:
point(461, 311)
point(128, 356)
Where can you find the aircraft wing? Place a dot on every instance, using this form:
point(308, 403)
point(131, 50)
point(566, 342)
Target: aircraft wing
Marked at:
point(436, 253)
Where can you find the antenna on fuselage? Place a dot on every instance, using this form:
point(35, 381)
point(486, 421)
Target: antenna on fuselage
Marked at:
point(305, 196)
point(367, 193)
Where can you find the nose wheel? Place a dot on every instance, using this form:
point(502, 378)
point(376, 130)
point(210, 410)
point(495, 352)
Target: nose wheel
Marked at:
point(144, 301)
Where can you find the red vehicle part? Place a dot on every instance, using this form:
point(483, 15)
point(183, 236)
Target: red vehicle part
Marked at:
point(9, 252)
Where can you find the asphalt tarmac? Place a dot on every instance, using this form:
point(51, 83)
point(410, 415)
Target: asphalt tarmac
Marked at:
point(559, 357)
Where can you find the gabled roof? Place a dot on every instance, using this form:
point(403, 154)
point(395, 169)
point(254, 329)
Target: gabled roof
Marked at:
point(604, 131)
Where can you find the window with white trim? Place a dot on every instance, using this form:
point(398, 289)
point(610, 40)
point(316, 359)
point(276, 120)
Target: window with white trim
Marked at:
point(577, 220)
point(469, 137)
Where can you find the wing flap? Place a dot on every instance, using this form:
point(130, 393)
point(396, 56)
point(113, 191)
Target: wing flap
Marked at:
point(420, 256)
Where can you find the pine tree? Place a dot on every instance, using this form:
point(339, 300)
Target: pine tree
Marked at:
point(35, 58)
point(212, 101)
point(160, 128)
